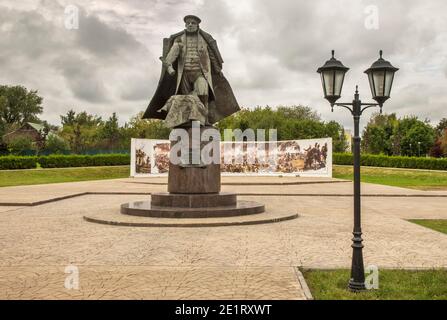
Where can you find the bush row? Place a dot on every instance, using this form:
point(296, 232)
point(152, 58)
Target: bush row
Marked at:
point(392, 161)
point(17, 162)
point(63, 161)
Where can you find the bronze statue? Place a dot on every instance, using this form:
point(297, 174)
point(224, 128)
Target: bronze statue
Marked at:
point(191, 78)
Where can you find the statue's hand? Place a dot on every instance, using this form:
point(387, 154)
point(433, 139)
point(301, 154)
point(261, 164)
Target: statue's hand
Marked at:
point(171, 70)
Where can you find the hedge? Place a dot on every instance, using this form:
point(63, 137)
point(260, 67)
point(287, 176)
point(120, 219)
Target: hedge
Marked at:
point(17, 162)
point(373, 160)
point(63, 161)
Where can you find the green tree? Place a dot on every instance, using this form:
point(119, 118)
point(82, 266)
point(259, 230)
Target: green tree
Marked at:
point(81, 131)
point(408, 136)
point(379, 135)
point(418, 137)
point(337, 132)
point(439, 149)
point(110, 133)
point(291, 123)
point(138, 127)
point(298, 113)
point(443, 144)
point(441, 127)
point(21, 145)
point(69, 119)
point(17, 106)
point(56, 145)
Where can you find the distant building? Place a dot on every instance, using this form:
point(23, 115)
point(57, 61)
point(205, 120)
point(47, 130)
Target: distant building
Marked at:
point(35, 131)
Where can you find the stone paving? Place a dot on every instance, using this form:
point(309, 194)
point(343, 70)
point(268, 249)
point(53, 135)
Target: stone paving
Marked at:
point(38, 242)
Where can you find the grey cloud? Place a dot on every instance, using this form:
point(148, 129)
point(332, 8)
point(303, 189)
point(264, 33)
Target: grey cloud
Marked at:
point(271, 50)
point(26, 34)
point(101, 39)
point(140, 86)
point(298, 33)
point(216, 17)
point(89, 59)
point(82, 78)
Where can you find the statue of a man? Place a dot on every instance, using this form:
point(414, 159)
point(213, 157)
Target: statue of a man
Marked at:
point(192, 66)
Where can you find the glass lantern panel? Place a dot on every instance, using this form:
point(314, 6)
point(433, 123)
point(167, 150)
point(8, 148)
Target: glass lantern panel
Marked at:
point(339, 77)
point(322, 83)
point(379, 83)
point(388, 82)
point(371, 84)
point(329, 82)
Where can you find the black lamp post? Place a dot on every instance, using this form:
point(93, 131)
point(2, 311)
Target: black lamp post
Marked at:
point(380, 76)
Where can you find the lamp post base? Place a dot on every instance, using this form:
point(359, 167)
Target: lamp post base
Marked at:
point(354, 286)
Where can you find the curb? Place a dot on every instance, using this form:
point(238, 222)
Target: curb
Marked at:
point(303, 284)
point(32, 204)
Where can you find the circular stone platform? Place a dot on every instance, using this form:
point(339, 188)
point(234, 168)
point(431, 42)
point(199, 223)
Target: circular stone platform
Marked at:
point(146, 209)
point(115, 218)
point(181, 206)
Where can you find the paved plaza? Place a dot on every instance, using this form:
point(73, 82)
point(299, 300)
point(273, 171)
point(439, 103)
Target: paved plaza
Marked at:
point(42, 231)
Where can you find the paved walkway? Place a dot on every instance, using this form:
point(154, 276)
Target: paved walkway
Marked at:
point(243, 262)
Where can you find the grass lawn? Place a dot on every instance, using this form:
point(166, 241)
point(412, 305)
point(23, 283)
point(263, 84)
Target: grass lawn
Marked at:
point(406, 178)
point(43, 176)
point(393, 285)
point(435, 224)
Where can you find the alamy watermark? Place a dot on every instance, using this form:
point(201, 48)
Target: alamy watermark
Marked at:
point(71, 21)
point(372, 280)
point(372, 17)
point(196, 146)
point(72, 279)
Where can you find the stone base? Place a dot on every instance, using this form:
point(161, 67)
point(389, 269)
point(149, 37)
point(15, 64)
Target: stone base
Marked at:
point(146, 209)
point(194, 180)
point(173, 205)
point(165, 199)
point(114, 218)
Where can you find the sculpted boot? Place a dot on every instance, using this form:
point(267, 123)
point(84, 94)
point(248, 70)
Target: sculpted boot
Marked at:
point(204, 100)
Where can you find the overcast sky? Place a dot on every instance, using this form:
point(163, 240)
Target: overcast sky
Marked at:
point(271, 51)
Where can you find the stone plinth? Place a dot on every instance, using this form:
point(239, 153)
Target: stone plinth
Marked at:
point(194, 180)
point(197, 178)
point(165, 199)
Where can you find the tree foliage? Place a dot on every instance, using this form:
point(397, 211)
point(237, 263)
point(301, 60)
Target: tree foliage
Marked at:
point(17, 106)
point(80, 130)
point(291, 123)
point(56, 145)
point(389, 135)
point(439, 149)
point(138, 127)
point(21, 146)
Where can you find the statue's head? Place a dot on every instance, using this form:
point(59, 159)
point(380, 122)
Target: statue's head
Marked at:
point(192, 23)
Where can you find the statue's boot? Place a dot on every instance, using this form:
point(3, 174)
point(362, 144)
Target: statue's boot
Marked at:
point(204, 100)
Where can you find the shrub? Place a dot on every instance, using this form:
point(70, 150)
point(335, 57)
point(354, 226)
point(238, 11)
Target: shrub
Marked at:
point(55, 145)
point(373, 160)
point(21, 146)
point(63, 161)
point(17, 162)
